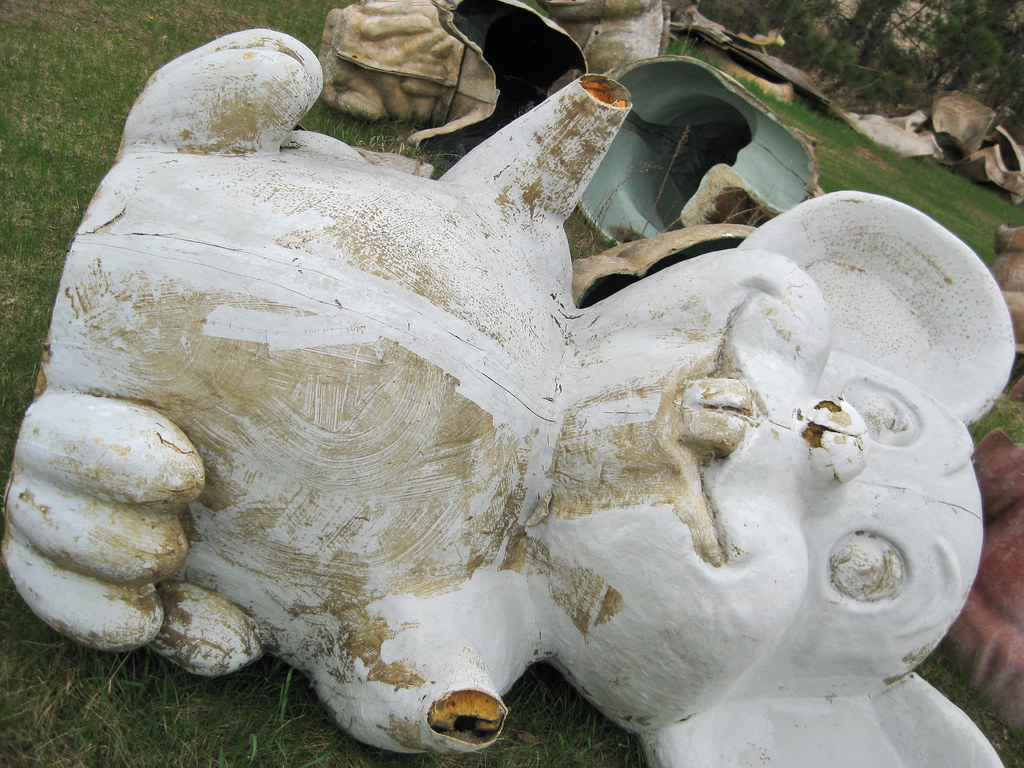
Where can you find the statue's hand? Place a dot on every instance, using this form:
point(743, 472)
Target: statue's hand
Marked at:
point(93, 526)
point(91, 515)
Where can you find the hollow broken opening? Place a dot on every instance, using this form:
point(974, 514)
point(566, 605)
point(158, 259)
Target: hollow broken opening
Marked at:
point(605, 286)
point(464, 723)
point(678, 152)
point(528, 58)
point(696, 149)
point(606, 91)
point(470, 716)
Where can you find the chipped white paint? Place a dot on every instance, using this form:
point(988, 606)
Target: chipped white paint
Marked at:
point(718, 500)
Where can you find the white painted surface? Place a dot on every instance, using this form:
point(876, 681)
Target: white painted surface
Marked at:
point(747, 510)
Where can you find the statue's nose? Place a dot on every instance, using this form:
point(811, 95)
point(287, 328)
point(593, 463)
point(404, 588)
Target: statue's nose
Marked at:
point(835, 433)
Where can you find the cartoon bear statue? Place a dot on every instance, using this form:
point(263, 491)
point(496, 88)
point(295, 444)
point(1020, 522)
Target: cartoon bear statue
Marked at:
point(296, 403)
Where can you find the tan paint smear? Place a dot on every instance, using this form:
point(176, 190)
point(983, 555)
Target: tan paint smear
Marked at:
point(646, 464)
point(582, 593)
point(337, 466)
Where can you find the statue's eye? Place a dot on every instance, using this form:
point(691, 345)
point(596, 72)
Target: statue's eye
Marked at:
point(890, 419)
point(866, 567)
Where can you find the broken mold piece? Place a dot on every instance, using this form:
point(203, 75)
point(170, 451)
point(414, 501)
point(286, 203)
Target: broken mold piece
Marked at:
point(613, 34)
point(465, 68)
point(987, 166)
point(1011, 151)
point(697, 149)
point(781, 90)
point(602, 274)
point(960, 122)
point(687, 20)
point(997, 161)
point(899, 134)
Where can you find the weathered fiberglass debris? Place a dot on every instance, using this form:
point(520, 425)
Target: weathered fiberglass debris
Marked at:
point(987, 639)
point(598, 276)
point(697, 148)
point(740, 49)
point(957, 135)
point(960, 122)
point(1008, 266)
point(997, 161)
point(296, 402)
point(909, 135)
point(467, 67)
point(613, 34)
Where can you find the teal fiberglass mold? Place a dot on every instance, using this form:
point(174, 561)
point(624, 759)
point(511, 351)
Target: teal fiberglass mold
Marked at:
point(689, 117)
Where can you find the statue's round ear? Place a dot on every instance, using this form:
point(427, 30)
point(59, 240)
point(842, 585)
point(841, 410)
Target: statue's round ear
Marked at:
point(904, 293)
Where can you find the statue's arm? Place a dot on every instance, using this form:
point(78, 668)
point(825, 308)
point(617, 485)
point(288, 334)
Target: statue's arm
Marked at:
point(94, 535)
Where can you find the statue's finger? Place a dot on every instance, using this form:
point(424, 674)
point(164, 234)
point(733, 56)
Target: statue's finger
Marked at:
point(103, 539)
point(203, 632)
point(108, 448)
point(101, 615)
point(244, 92)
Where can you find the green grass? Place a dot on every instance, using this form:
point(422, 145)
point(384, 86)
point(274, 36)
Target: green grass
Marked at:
point(67, 706)
point(69, 74)
point(849, 160)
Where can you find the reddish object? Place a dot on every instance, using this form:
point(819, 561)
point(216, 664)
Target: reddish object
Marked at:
point(987, 640)
point(1017, 393)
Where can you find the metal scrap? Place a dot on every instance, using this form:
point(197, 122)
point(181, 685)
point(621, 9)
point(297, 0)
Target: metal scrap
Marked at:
point(747, 52)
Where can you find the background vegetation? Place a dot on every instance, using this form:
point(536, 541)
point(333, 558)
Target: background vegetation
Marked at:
point(69, 72)
point(883, 55)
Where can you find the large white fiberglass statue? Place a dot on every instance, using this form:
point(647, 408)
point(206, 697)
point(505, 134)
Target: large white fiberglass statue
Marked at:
point(294, 402)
